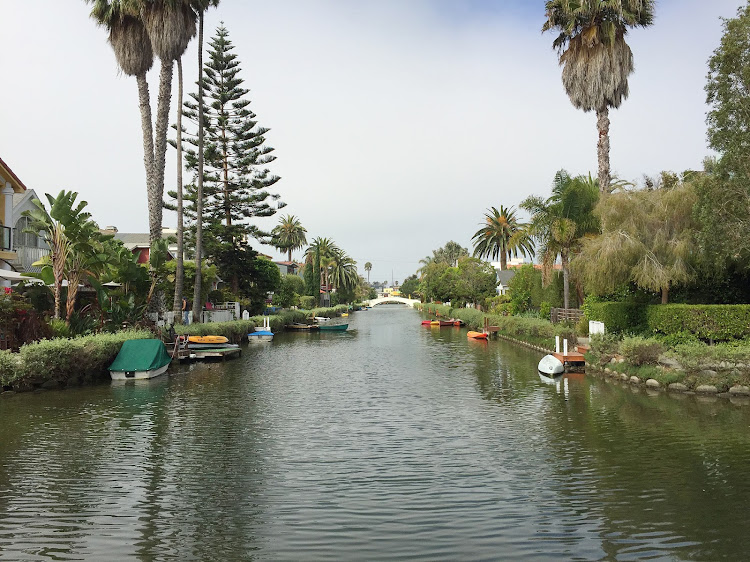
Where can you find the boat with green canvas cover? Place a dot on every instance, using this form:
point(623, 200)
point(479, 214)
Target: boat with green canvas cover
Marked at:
point(140, 359)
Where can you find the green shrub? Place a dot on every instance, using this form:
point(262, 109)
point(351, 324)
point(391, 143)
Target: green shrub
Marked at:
point(715, 322)
point(59, 328)
point(641, 351)
point(582, 327)
point(10, 368)
point(678, 338)
point(307, 302)
point(618, 317)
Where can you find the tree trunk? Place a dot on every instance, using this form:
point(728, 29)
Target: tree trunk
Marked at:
point(199, 189)
point(602, 124)
point(160, 150)
point(566, 279)
point(665, 294)
point(144, 102)
point(503, 261)
point(179, 266)
point(290, 255)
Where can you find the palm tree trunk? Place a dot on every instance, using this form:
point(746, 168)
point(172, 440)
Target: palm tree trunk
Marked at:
point(665, 294)
point(566, 279)
point(290, 255)
point(602, 147)
point(199, 194)
point(179, 266)
point(160, 150)
point(503, 261)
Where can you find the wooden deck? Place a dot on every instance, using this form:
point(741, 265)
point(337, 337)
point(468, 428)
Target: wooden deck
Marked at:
point(570, 357)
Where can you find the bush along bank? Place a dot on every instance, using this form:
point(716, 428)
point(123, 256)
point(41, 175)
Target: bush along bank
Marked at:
point(532, 331)
point(722, 369)
point(63, 362)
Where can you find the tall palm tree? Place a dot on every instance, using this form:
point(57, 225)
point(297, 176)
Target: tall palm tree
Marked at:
point(501, 236)
point(320, 256)
point(595, 58)
point(289, 234)
point(560, 222)
point(200, 7)
point(368, 269)
point(343, 270)
point(179, 279)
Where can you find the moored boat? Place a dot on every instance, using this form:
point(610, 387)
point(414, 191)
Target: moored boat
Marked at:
point(551, 365)
point(333, 327)
point(140, 359)
point(260, 336)
point(296, 326)
point(426, 322)
point(226, 345)
point(476, 335)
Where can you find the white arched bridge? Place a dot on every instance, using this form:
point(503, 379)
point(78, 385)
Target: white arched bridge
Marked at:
point(400, 300)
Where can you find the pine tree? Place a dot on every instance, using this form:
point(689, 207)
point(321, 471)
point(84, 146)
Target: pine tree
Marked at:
point(236, 181)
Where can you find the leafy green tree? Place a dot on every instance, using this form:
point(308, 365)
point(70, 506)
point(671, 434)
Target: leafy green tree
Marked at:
point(410, 286)
point(648, 237)
point(288, 294)
point(501, 236)
point(289, 235)
point(476, 282)
point(723, 194)
point(266, 279)
point(595, 58)
point(561, 222)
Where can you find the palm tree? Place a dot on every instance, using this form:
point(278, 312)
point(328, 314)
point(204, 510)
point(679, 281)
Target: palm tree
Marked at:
point(200, 6)
point(560, 222)
point(343, 270)
point(289, 234)
point(368, 269)
point(596, 60)
point(501, 236)
point(320, 256)
point(179, 279)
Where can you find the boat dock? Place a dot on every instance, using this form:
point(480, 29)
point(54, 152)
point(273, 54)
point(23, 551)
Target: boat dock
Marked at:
point(187, 354)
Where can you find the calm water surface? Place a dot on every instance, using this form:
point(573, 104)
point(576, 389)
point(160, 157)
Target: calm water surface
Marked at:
point(390, 441)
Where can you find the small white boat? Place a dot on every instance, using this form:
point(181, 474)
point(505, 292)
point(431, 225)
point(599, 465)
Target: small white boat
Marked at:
point(140, 359)
point(551, 365)
point(320, 319)
point(255, 337)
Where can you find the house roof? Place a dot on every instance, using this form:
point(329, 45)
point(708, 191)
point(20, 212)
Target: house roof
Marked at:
point(8, 174)
point(505, 275)
point(133, 239)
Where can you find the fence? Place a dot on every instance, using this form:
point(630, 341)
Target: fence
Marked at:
point(226, 312)
point(558, 315)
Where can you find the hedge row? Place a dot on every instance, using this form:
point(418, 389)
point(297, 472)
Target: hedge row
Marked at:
point(714, 322)
point(63, 361)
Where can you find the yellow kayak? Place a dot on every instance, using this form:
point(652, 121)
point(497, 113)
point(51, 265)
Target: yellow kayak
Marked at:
point(207, 339)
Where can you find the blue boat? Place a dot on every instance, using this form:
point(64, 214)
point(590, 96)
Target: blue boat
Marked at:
point(260, 336)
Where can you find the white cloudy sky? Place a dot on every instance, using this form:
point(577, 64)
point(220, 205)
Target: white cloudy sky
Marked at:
point(396, 123)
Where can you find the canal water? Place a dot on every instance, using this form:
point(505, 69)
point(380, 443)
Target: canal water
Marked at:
point(391, 441)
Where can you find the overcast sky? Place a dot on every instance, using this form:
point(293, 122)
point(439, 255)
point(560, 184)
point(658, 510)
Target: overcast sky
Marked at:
point(396, 123)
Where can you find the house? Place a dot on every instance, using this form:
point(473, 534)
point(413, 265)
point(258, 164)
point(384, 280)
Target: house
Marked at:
point(30, 247)
point(14, 242)
point(503, 279)
point(139, 243)
point(289, 267)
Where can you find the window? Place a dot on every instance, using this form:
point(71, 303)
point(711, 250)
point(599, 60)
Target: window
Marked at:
point(24, 239)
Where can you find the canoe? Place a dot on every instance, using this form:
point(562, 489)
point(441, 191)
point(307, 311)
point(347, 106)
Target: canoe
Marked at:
point(551, 365)
point(345, 314)
point(320, 319)
point(140, 359)
point(260, 336)
point(477, 335)
point(333, 327)
point(456, 322)
point(207, 339)
point(426, 322)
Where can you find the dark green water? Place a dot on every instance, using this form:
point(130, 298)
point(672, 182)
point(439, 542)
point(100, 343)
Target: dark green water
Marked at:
point(388, 442)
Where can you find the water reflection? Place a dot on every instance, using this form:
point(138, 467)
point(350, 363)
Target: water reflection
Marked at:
point(388, 441)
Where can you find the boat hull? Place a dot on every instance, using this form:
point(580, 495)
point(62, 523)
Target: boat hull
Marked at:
point(551, 365)
point(138, 375)
point(192, 345)
point(477, 335)
point(302, 327)
point(257, 337)
point(207, 339)
point(334, 328)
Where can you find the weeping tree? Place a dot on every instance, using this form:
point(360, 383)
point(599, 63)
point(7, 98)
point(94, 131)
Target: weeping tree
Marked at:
point(648, 238)
point(595, 58)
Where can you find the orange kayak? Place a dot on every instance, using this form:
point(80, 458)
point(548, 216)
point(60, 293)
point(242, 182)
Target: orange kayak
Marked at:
point(477, 335)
